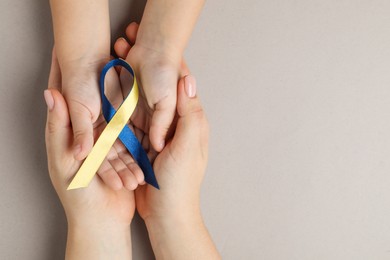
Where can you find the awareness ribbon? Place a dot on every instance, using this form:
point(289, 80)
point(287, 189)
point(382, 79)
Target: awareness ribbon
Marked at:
point(116, 127)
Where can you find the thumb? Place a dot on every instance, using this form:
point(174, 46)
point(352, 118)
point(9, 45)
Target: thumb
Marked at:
point(58, 128)
point(161, 121)
point(192, 126)
point(187, 101)
point(82, 129)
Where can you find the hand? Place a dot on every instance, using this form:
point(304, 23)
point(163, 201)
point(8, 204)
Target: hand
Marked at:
point(180, 166)
point(82, 39)
point(98, 217)
point(118, 169)
point(81, 91)
point(158, 74)
point(149, 200)
point(163, 34)
point(172, 214)
point(98, 203)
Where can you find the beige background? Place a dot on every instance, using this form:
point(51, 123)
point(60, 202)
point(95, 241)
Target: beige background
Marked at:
point(298, 98)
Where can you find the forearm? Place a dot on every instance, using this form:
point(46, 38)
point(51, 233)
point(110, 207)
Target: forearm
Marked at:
point(81, 30)
point(181, 238)
point(98, 243)
point(167, 25)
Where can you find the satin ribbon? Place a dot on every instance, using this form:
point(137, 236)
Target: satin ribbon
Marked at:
point(116, 127)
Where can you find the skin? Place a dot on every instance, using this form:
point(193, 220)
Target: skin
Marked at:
point(99, 217)
point(156, 56)
point(82, 38)
point(140, 122)
point(172, 214)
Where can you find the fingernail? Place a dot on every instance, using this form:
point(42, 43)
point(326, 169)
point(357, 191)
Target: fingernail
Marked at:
point(162, 144)
point(48, 99)
point(123, 39)
point(190, 86)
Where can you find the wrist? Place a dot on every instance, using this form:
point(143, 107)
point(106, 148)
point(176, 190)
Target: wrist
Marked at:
point(97, 221)
point(98, 242)
point(154, 41)
point(167, 25)
point(146, 58)
point(170, 224)
point(100, 231)
point(168, 218)
point(88, 63)
point(91, 225)
point(81, 29)
point(180, 238)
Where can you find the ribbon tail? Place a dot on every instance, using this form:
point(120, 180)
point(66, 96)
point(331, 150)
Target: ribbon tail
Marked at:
point(135, 149)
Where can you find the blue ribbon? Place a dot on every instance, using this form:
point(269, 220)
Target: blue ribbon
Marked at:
point(126, 136)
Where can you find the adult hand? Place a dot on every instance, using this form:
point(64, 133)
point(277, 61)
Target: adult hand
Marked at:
point(98, 217)
point(180, 166)
point(172, 214)
point(179, 157)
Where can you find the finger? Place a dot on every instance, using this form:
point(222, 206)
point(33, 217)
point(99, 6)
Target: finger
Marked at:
point(139, 134)
point(113, 88)
point(126, 175)
point(109, 176)
point(137, 172)
point(55, 72)
point(58, 130)
point(131, 32)
point(132, 166)
point(161, 121)
point(82, 129)
point(187, 101)
point(172, 129)
point(129, 161)
point(121, 48)
point(152, 154)
point(117, 69)
point(126, 82)
point(192, 127)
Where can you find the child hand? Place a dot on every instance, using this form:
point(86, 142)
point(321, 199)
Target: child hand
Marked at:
point(80, 88)
point(172, 214)
point(158, 74)
point(82, 38)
